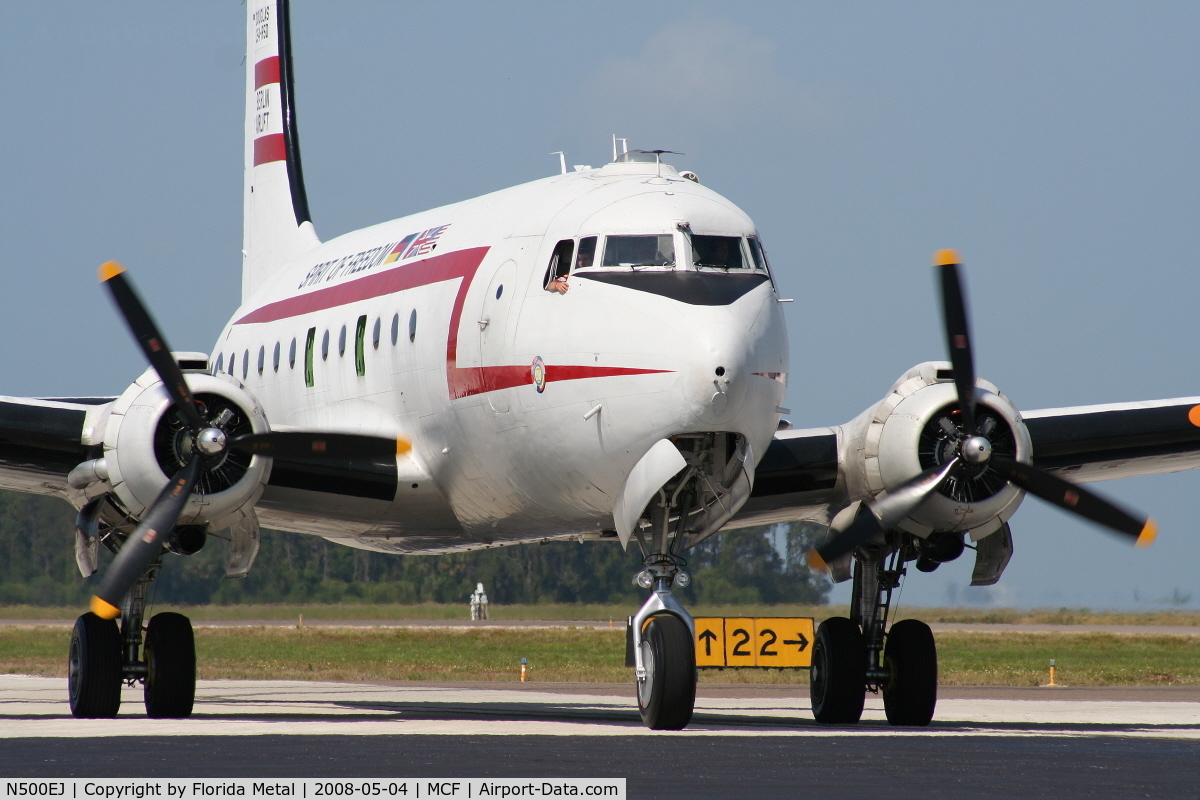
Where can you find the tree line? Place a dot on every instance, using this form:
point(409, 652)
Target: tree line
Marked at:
point(752, 566)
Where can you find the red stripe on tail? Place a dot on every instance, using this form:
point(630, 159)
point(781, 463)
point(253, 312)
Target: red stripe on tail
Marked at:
point(266, 71)
point(269, 148)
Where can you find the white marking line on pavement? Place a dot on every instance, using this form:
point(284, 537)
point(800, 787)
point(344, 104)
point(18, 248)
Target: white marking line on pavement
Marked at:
point(37, 707)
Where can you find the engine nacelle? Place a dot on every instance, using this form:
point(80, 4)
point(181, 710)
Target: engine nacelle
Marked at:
point(914, 428)
point(146, 442)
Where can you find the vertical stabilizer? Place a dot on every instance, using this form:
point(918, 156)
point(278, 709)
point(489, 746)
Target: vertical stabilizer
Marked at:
point(276, 226)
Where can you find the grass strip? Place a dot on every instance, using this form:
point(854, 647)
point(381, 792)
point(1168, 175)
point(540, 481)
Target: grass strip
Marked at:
point(598, 655)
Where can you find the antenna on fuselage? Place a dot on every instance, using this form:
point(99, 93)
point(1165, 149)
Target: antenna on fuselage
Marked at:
point(658, 154)
point(562, 160)
point(624, 147)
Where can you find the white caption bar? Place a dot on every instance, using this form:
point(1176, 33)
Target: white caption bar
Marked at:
point(308, 788)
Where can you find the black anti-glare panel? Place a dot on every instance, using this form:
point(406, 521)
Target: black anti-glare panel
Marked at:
point(693, 288)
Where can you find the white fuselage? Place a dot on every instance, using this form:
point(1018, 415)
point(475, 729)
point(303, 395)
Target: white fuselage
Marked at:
point(456, 318)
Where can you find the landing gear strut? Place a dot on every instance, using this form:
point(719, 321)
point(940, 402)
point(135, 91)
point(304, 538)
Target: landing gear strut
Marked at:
point(859, 654)
point(662, 633)
point(103, 657)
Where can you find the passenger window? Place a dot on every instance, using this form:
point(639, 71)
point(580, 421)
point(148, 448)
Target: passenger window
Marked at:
point(360, 348)
point(325, 345)
point(342, 341)
point(395, 329)
point(412, 326)
point(717, 252)
point(308, 356)
point(232, 360)
point(245, 364)
point(220, 362)
point(292, 354)
point(639, 251)
point(262, 358)
point(375, 333)
point(275, 358)
point(559, 267)
point(587, 253)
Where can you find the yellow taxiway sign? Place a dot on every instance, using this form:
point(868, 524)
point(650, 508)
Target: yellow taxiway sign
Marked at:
point(763, 642)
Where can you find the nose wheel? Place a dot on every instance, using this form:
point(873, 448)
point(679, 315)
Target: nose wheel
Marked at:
point(667, 692)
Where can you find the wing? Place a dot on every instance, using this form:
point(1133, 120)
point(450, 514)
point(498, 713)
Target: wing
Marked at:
point(42, 440)
point(801, 478)
point(1120, 440)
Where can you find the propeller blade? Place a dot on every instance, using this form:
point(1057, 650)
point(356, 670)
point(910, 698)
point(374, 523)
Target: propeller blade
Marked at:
point(884, 513)
point(145, 543)
point(315, 445)
point(958, 335)
point(1072, 497)
point(142, 326)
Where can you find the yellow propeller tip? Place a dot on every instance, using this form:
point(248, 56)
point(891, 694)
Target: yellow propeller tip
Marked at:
point(109, 270)
point(815, 561)
point(403, 446)
point(104, 609)
point(944, 257)
point(1148, 535)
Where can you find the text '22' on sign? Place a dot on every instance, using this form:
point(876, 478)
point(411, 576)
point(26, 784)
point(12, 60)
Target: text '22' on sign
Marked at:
point(763, 642)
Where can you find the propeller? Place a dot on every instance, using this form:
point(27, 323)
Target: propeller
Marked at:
point(973, 451)
point(210, 442)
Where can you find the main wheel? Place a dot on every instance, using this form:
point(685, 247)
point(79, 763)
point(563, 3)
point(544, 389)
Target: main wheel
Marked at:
point(838, 676)
point(667, 696)
point(94, 670)
point(910, 656)
point(170, 666)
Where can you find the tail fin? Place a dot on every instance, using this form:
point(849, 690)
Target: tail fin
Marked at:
point(276, 225)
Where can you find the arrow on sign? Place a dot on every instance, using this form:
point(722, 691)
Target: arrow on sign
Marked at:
point(802, 641)
point(708, 637)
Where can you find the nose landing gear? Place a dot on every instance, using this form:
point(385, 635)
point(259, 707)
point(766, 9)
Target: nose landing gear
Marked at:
point(661, 636)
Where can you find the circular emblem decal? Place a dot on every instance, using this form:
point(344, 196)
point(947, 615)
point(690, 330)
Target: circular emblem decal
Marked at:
point(538, 371)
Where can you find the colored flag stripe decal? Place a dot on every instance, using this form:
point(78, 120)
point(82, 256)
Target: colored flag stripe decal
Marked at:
point(461, 264)
point(269, 148)
point(266, 72)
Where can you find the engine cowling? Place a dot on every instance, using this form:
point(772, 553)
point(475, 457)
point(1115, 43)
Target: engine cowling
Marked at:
point(146, 442)
point(915, 427)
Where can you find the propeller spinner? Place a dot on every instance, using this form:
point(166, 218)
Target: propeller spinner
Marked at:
point(973, 451)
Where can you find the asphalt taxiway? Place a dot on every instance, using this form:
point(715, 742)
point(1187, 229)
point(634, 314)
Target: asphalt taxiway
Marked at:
point(745, 740)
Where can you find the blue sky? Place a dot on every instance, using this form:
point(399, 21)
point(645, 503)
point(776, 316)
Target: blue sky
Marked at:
point(1053, 143)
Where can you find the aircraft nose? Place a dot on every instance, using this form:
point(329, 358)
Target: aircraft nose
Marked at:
point(717, 373)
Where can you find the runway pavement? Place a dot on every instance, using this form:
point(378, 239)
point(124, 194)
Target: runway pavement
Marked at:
point(747, 741)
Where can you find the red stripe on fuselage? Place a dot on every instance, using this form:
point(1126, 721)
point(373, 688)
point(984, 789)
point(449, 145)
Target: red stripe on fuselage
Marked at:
point(269, 148)
point(266, 72)
point(461, 264)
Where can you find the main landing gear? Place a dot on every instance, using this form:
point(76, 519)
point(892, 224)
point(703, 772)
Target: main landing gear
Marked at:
point(858, 654)
point(103, 658)
point(660, 637)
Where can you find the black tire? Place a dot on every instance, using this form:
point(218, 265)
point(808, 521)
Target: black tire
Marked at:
point(94, 670)
point(910, 656)
point(170, 666)
point(838, 677)
point(668, 695)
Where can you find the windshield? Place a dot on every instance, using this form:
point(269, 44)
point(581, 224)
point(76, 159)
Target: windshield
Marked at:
point(639, 251)
point(717, 252)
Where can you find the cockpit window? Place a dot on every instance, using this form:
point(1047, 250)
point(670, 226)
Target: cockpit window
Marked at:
point(560, 265)
point(587, 253)
point(717, 252)
point(639, 251)
point(759, 255)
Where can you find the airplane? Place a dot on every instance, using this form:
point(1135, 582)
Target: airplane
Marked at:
point(445, 382)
